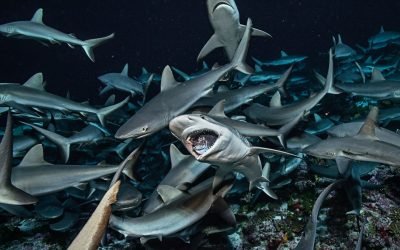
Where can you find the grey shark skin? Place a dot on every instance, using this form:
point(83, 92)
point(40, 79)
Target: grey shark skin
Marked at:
point(212, 142)
point(175, 98)
point(25, 97)
point(378, 87)
point(87, 135)
point(9, 193)
point(121, 81)
point(28, 176)
point(277, 114)
point(224, 17)
point(342, 50)
point(35, 29)
point(383, 37)
point(237, 97)
point(184, 170)
point(352, 128)
point(249, 129)
point(178, 213)
point(23, 143)
point(365, 146)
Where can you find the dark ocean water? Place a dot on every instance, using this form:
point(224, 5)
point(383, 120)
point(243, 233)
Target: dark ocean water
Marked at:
point(160, 32)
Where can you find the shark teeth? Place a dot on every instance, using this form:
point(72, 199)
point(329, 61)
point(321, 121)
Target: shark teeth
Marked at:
point(202, 141)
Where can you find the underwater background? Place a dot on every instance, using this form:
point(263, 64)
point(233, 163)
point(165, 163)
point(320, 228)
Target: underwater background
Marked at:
point(156, 33)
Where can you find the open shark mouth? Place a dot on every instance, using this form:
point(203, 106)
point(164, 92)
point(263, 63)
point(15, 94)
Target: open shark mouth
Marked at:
point(202, 140)
point(220, 4)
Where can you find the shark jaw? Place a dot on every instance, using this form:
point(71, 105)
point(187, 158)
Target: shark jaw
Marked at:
point(201, 142)
point(221, 4)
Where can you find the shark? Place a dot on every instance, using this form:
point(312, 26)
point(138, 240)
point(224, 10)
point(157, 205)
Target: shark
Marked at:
point(237, 97)
point(341, 49)
point(9, 193)
point(121, 81)
point(35, 29)
point(383, 37)
point(185, 169)
point(180, 211)
point(224, 18)
point(175, 98)
point(89, 134)
point(364, 146)
point(28, 175)
point(378, 87)
point(284, 60)
point(217, 144)
point(32, 95)
point(277, 114)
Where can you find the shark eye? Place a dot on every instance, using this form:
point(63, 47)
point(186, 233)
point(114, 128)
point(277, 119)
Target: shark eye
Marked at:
point(202, 117)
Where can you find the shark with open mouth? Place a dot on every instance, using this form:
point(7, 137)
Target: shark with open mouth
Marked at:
point(223, 146)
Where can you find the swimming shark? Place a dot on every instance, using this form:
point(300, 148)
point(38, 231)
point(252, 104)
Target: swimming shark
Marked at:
point(217, 144)
point(89, 134)
point(277, 114)
point(28, 175)
point(341, 49)
point(378, 87)
point(181, 211)
point(121, 81)
point(35, 29)
point(237, 97)
point(32, 95)
point(9, 193)
point(224, 17)
point(175, 98)
point(185, 169)
point(364, 146)
point(383, 37)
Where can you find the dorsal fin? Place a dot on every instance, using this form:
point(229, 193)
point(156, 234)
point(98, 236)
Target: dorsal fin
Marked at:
point(369, 60)
point(283, 54)
point(377, 75)
point(168, 193)
point(340, 39)
point(276, 100)
point(144, 71)
point(35, 82)
point(124, 71)
point(205, 65)
point(34, 157)
point(176, 156)
point(257, 68)
point(334, 40)
point(38, 16)
point(382, 30)
point(218, 109)
point(368, 128)
point(110, 101)
point(317, 118)
point(167, 80)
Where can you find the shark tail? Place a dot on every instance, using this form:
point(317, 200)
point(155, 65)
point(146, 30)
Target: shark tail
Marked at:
point(281, 82)
point(239, 60)
point(63, 143)
point(103, 112)
point(262, 182)
point(89, 45)
point(285, 130)
point(9, 194)
point(128, 164)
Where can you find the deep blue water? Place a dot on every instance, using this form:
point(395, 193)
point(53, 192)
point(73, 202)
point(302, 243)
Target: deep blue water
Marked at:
point(160, 32)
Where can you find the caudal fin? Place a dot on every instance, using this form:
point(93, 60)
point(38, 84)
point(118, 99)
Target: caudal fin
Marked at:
point(9, 194)
point(285, 130)
point(102, 113)
point(93, 43)
point(62, 142)
point(239, 60)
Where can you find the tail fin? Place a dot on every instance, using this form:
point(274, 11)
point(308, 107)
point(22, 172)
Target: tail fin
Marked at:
point(127, 165)
point(285, 130)
point(62, 143)
point(281, 82)
point(239, 60)
point(102, 113)
point(262, 182)
point(9, 194)
point(328, 81)
point(93, 43)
